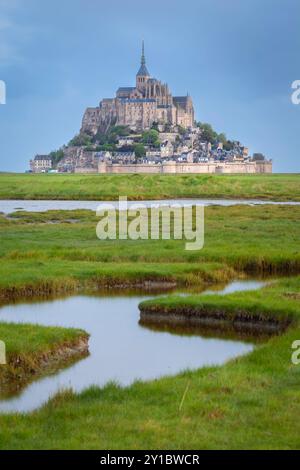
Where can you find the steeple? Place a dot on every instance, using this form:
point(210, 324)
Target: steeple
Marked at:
point(143, 71)
point(143, 60)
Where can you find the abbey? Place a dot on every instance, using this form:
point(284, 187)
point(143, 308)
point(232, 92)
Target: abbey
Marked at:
point(150, 101)
point(145, 129)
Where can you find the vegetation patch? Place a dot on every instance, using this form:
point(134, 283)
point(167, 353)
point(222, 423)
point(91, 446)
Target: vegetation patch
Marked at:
point(38, 258)
point(33, 350)
point(247, 311)
point(279, 187)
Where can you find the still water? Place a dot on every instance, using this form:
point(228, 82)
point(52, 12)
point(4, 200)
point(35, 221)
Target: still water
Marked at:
point(9, 206)
point(120, 348)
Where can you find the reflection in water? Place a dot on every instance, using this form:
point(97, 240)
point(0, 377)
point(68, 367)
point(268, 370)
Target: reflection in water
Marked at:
point(121, 349)
point(205, 331)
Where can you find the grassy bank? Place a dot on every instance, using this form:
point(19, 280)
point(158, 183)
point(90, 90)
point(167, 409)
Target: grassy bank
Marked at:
point(270, 309)
point(32, 350)
point(278, 187)
point(58, 251)
point(250, 403)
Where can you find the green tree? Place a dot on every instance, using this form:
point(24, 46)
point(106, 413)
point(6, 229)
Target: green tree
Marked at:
point(208, 134)
point(121, 131)
point(139, 150)
point(151, 138)
point(81, 139)
point(258, 157)
point(90, 147)
point(100, 138)
point(222, 138)
point(106, 147)
point(56, 156)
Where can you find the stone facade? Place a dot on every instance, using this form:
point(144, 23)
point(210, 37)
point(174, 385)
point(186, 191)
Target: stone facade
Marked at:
point(140, 106)
point(41, 164)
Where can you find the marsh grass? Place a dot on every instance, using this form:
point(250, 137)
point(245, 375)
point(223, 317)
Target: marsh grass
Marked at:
point(38, 257)
point(265, 306)
point(33, 350)
point(282, 187)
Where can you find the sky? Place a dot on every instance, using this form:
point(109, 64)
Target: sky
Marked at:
point(236, 58)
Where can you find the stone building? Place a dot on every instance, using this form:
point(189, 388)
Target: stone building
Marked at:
point(166, 149)
point(41, 164)
point(138, 107)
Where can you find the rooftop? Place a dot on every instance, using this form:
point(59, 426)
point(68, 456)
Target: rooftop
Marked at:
point(42, 157)
point(143, 71)
point(139, 100)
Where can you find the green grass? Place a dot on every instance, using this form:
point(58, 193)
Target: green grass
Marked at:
point(33, 350)
point(35, 339)
point(38, 257)
point(250, 403)
point(272, 303)
point(95, 187)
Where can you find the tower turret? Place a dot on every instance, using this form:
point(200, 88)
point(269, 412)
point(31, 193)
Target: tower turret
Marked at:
point(143, 75)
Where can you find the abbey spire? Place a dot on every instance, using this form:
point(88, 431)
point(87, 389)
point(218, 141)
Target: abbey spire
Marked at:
point(143, 60)
point(143, 71)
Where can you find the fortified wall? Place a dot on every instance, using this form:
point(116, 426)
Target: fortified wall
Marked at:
point(182, 168)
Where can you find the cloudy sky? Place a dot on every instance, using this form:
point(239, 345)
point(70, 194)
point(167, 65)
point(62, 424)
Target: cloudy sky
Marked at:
point(236, 58)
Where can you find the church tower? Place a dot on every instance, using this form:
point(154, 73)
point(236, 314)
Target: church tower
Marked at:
point(143, 75)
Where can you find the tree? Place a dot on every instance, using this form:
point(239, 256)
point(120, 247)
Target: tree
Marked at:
point(208, 134)
point(56, 156)
point(121, 131)
point(100, 138)
point(258, 157)
point(89, 148)
point(81, 139)
point(222, 138)
point(151, 138)
point(106, 147)
point(139, 150)
point(111, 135)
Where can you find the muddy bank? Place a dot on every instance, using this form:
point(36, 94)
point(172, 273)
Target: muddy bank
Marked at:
point(241, 322)
point(22, 369)
point(67, 286)
point(71, 286)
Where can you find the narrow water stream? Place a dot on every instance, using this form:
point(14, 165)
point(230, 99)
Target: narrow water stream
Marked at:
point(120, 348)
point(8, 206)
